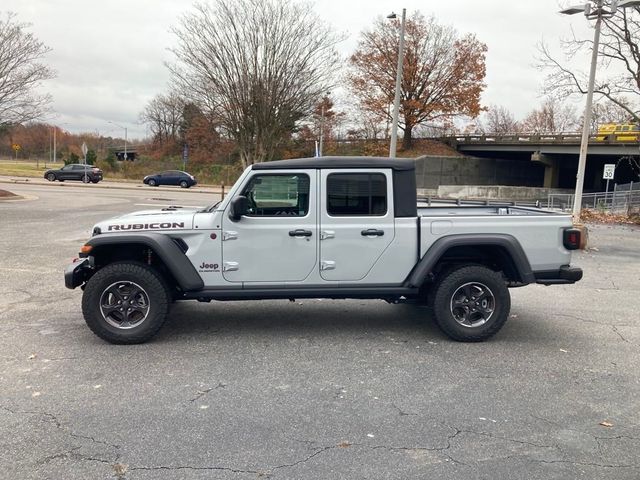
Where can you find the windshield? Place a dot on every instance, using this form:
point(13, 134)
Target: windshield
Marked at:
point(210, 208)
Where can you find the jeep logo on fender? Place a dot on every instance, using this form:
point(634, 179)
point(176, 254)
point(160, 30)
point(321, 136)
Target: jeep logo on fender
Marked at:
point(146, 226)
point(209, 267)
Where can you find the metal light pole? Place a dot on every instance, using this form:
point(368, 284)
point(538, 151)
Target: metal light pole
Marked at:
point(321, 148)
point(599, 12)
point(396, 100)
point(125, 137)
point(321, 129)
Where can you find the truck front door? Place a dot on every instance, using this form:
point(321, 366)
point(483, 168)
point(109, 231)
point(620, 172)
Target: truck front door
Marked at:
point(276, 241)
point(356, 222)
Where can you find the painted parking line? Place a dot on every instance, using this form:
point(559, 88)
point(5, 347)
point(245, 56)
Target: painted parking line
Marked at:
point(166, 205)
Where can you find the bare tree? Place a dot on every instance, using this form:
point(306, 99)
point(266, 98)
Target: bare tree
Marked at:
point(260, 66)
point(551, 118)
point(163, 115)
point(21, 72)
point(498, 120)
point(607, 112)
point(619, 69)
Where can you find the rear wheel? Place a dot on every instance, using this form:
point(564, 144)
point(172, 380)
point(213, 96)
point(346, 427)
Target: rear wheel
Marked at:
point(86, 179)
point(471, 304)
point(184, 184)
point(125, 303)
point(51, 177)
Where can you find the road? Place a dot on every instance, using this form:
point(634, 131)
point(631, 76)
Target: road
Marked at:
point(315, 389)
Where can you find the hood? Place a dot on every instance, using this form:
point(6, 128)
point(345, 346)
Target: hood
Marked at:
point(170, 219)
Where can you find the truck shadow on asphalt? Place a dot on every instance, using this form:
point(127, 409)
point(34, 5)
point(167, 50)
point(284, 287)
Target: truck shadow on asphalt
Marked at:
point(322, 319)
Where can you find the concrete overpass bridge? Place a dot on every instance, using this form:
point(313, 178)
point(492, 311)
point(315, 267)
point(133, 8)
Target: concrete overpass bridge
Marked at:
point(557, 153)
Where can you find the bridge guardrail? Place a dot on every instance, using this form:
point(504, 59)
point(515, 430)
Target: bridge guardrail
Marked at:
point(563, 138)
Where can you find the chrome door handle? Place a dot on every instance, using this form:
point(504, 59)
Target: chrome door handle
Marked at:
point(231, 267)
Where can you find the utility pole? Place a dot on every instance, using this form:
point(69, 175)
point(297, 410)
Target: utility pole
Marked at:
point(396, 100)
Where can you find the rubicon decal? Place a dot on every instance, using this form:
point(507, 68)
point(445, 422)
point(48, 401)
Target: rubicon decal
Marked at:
point(146, 226)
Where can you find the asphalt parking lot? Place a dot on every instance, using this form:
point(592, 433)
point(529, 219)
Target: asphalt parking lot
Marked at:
point(315, 389)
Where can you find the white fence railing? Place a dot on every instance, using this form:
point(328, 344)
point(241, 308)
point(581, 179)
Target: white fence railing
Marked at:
point(614, 202)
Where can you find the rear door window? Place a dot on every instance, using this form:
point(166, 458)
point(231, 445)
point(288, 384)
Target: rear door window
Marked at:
point(357, 194)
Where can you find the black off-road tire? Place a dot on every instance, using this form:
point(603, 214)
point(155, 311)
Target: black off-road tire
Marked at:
point(51, 177)
point(452, 311)
point(139, 274)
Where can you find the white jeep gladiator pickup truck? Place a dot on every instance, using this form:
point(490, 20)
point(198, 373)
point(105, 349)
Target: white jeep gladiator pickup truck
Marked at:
point(330, 227)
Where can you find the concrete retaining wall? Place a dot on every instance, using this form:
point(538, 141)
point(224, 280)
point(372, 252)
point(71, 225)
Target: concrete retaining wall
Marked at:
point(432, 171)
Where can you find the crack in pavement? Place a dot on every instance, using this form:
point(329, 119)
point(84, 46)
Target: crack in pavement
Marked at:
point(444, 449)
point(401, 412)
point(202, 393)
point(615, 329)
point(575, 317)
point(585, 464)
point(188, 467)
point(53, 419)
point(490, 435)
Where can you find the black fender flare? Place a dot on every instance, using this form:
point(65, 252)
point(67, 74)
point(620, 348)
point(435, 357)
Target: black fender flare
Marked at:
point(440, 247)
point(162, 245)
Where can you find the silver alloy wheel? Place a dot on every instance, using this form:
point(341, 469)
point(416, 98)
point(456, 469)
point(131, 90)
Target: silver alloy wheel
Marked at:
point(472, 304)
point(51, 177)
point(124, 305)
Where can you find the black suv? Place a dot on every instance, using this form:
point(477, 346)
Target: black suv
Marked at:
point(75, 171)
point(170, 177)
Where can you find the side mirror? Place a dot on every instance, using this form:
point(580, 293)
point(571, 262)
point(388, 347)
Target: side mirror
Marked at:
point(239, 206)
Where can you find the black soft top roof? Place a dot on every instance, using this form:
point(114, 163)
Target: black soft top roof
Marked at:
point(398, 164)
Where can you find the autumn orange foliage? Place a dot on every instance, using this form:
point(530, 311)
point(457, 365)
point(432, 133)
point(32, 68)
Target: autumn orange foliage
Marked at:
point(443, 72)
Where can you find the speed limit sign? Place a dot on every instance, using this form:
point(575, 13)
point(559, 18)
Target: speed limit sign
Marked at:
point(609, 171)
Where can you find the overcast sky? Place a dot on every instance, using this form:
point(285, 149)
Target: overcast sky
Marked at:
point(110, 55)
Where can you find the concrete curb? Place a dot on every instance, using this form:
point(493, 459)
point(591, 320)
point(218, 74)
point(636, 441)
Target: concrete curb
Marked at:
point(208, 189)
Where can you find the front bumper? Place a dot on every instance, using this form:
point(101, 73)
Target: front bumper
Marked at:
point(77, 273)
point(566, 275)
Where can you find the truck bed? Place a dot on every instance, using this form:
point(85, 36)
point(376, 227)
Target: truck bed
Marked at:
point(538, 231)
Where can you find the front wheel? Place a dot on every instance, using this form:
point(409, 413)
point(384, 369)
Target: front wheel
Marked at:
point(86, 179)
point(152, 183)
point(51, 177)
point(184, 184)
point(471, 304)
point(125, 303)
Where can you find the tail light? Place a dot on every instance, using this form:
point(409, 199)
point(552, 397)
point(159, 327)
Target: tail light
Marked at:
point(575, 238)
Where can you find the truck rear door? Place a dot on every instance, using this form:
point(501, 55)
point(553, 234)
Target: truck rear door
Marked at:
point(356, 221)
